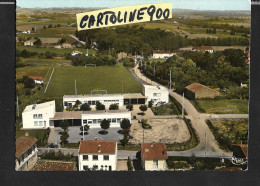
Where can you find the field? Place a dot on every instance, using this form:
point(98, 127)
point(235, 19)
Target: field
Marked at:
point(228, 132)
point(35, 133)
point(221, 106)
point(113, 79)
point(44, 62)
point(32, 71)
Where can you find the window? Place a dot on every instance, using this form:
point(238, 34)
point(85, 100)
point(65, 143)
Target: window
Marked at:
point(154, 94)
point(44, 123)
point(102, 166)
point(95, 167)
point(85, 157)
point(93, 102)
point(65, 103)
point(95, 157)
point(85, 167)
point(106, 157)
point(40, 116)
point(40, 123)
point(89, 102)
point(113, 120)
point(109, 120)
point(35, 116)
point(89, 121)
point(118, 120)
point(35, 123)
point(85, 121)
point(95, 121)
point(99, 120)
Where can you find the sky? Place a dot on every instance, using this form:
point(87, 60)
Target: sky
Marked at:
point(180, 4)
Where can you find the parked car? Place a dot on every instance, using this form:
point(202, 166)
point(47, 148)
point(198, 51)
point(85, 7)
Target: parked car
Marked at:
point(51, 145)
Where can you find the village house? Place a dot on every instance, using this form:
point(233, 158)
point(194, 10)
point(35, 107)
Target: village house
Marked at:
point(26, 152)
point(154, 156)
point(37, 116)
point(157, 94)
point(97, 155)
point(164, 54)
point(37, 79)
point(29, 42)
point(69, 44)
point(48, 42)
point(240, 154)
point(26, 32)
point(204, 49)
point(199, 91)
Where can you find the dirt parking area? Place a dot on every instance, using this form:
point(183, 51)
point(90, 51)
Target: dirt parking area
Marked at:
point(166, 130)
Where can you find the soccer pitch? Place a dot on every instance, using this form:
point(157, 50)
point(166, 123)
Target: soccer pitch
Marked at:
point(114, 79)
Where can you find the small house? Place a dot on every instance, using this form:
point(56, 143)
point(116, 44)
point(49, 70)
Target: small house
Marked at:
point(199, 91)
point(164, 54)
point(240, 154)
point(29, 42)
point(157, 94)
point(97, 155)
point(154, 156)
point(37, 79)
point(204, 49)
point(26, 152)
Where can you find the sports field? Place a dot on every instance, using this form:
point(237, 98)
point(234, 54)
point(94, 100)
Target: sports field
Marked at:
point(114, 79)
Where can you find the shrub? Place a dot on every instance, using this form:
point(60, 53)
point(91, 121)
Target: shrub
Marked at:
point(125, 124)
point(113, 107)
point(100, 106)
point(130, 107)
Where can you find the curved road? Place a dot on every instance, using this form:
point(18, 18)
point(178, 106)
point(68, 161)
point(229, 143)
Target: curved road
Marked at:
point(208, 145)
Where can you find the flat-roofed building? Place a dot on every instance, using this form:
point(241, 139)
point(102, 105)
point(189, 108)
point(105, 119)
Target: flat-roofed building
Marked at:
point(38, 116)
point(134, 98)
point(97, 155)
point(94, 118)
point(156, 94)
point(164, 54)
point(92, 100)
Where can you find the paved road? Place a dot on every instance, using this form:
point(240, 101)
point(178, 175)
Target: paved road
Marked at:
point(74, 37)
point(208, 145)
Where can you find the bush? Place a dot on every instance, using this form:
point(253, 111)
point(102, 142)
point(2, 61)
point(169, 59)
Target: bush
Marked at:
point(145, 125)
point(100, 106)
point(125, 124)
point(113, 107)
point(129, 165)
point(130, 107)
point(85, 107)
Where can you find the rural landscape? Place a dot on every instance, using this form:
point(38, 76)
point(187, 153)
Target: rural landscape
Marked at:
point(177, 91)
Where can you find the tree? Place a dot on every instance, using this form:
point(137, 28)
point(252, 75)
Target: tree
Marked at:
point(28, 82)
point(64, 125)
point(105, 124)
point(124, 141)
point(38, 42)
point(85, 107)
point(65, 135)
point(130, 107)
point(113, 107)
point(100, 106)
point(150, 104)
point(143, 108)
point(86, 128)
point(77, 103)
point(125, 124)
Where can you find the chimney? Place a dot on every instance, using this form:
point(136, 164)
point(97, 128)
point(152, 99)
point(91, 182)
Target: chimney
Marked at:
point(99, 150)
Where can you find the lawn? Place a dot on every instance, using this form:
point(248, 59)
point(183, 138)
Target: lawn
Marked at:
point(48, 62)
point(41, 134)
point(228, 132)
point(114, 79)
point(221, 106)
point(32, 71)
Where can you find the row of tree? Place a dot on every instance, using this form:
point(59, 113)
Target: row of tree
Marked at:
point(98, 60)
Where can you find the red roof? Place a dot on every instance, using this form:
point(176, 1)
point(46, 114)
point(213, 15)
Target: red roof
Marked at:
point(54, 166)
point(23, 144)
point(70, 41)
point(165, 51)
point(197, 86)
point(244, 148)
point(203, 48)
point(154, 151)
point(36, 77)
point(94, 147)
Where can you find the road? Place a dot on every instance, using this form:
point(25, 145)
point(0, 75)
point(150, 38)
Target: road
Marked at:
point(208, 145)
point(74, 37)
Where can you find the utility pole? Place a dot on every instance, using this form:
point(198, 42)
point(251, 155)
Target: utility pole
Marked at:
point(183, 106)
point(17, 104)
point(170, 79)
point(75, 87)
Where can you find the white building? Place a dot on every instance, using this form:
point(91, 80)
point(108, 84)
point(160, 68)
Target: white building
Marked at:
point(156, 94)
point(94, 118)
point(204, 49)
point(37, 79)
point(97, 155)
point(29, 42)
point(25, 152)
point(163, 54)
point(105, 99)
point(153, 156)
point(38, 116)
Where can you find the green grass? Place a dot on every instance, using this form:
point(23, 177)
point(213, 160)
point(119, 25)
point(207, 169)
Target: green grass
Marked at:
point(32, 71)
point(129, 147)
point(59, 51)
point(108, 78)
point(49, 62)
point(38, 133)
point(71, 145)
point(221, 106)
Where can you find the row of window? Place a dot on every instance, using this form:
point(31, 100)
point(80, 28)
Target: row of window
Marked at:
point(37, 116)
point(98, 121)
point(92, 102)
point(95, 167)
point(95, 157)
point(40, 123)
point(157, 94)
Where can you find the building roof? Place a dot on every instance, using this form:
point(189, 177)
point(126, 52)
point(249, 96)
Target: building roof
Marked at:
point(36, 77)
point(23, 144)
point(93, 95)
point(31, 40)
point(105, 112)
point(97, 147)
point(39, 106)
point(155, 87)
point(241, 150)
point(67, 115)
point(194, 87)
point(154, 151)
point(50, 40)
point(165, 51)
point(54, 166)
point(71, 41)
point(133, 96)
point(203, 48)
